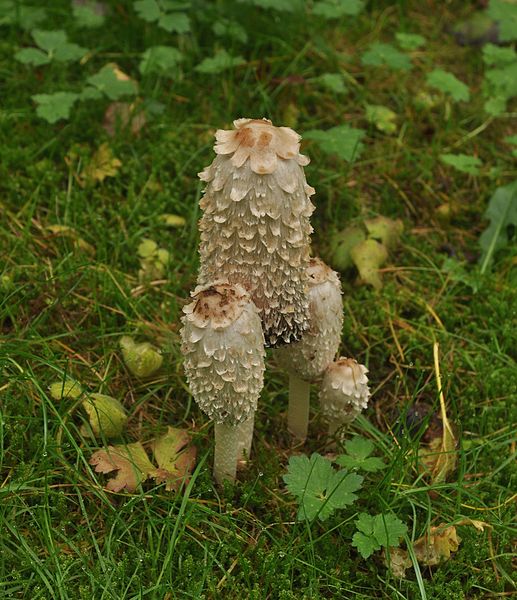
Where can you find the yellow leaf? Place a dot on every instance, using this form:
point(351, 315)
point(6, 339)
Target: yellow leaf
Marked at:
point(102, 164)
point(436, 546)
point(71, 233)
point(65, 389)
point(368, 256)
point(174, 457)
point(172, 220)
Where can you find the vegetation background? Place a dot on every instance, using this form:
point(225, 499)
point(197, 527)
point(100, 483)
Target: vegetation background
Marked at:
point(107, 113)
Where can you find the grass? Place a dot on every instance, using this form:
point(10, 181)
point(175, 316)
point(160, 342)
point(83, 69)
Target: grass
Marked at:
point(63, 310)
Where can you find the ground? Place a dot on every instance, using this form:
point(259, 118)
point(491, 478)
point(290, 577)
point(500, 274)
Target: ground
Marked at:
point(71, 224)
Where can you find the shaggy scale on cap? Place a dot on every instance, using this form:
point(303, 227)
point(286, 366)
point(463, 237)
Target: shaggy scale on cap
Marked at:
point(309, 357)
point(344, 391)
point(223, 346)
point(255, 226)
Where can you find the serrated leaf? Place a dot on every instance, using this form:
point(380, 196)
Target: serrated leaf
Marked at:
point(368, 257)
point(448, 84)
point(279, 5)
point(54, 107)
point(318, 487)
point(358, 456)
point(177, 22)
point(26, 17)
point(410, 41)
point(365, 544)
point(149, 10)
point(380, 54)
point(221, 61)
point(230, 29)
point(385, 230)
point(335, 82)
point(68, 52)
point(462, 162)
point(343, 140)
point(174, 457)
point(32, 56)
point(335, 9)
point(498, 56)
point(382, 117)
point(68, 388)
point(88, 13)
point(505, 13)
point(112, 82)
point(49, 40)
point(142, 360)
point(160, 59)
point(502, 213)
point(130, 461)
point(107, 416)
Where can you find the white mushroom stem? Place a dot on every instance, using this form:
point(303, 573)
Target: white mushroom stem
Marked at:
point(228, 444)
point(299, 403)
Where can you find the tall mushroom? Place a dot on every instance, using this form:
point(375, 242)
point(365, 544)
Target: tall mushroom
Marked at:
point(344, 392)
point(255, 227)
point(307, 360)
point(223, 345)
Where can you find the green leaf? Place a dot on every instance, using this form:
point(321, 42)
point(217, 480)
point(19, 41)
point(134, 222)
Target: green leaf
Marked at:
point(495, 106)
point(107, 82)
point(68, 52)
point(388, 529)
point(88, 14)
point(380, 55)
point(148, 10)
point(502, 213)
point(343, 140)
point(26, 17)
point(174, 459)
point(177, 22)
point(457, 272)
point(147, 248)
point(385, 230)
point(410, 41)
point(498, 56)
point(107, 416)
point(358, 456)
point(382, 117)
point(221, 61)
point(335, 82)
point(462, 162)
point(505, 13)
point(160, 59)
point(230, 29)
point(318, 487)
point(501, 84)
point(448, 84)
point(341, 244)
point(365, 544)
point(334, 9)
point(279, 5)
point(49, 40)
point(54, 107)
point(384, 530)
point(32, 56)
point(512, 139)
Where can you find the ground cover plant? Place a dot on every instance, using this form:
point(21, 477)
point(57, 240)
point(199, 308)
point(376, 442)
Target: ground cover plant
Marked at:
point(107, 112)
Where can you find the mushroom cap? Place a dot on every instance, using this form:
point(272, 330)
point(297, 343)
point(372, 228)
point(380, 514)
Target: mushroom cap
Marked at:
point(255, 229)
point(223, 346)
point(344, 391)
point(261, 142)
point(309, 358)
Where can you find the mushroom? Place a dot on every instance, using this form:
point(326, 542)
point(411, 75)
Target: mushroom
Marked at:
point(344, 392)
point(255, 227)
point(307, 360)
point(223, 345)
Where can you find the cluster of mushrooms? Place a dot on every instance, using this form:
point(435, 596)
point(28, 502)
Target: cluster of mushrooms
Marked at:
point(259, 287)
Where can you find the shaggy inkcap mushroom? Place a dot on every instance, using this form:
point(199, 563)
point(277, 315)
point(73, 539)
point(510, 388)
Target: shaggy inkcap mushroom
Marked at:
point(344, 392)
point(255, 228)
point(223, 346)
point(307, 360)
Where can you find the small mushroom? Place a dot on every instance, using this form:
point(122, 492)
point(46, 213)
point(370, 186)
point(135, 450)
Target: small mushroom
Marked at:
point(223, 345)
point(255, 227)
point(344, 393)
point(307, 360)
